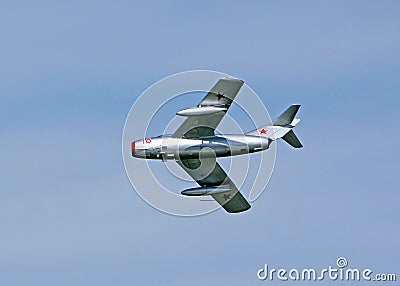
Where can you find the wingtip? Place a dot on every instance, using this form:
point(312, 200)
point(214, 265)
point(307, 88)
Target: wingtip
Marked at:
point(239, 211)
point(234, 79)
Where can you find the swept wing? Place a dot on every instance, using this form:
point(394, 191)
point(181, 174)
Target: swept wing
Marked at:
point(206, 171)
point(221, 95)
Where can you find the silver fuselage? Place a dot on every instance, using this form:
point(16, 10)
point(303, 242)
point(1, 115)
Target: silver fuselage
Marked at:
point(169, 148)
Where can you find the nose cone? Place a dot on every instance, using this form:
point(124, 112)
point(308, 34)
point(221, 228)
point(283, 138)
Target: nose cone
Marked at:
point(137, 149)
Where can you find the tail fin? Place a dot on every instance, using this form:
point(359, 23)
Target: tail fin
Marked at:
point(282, 127)
point(287, 117)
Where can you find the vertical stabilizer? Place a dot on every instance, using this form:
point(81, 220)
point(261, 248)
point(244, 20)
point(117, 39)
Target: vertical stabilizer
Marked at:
point(287, 117)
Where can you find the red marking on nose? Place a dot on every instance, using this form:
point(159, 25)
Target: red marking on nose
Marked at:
point(133, 148)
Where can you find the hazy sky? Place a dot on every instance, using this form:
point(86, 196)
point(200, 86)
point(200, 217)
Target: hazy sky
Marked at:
point(69, 74)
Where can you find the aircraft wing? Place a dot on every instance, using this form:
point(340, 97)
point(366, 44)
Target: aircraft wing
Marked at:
point(208, 173)
point(222, 95)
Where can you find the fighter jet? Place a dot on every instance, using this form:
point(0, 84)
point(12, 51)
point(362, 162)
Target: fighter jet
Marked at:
point(195, 145)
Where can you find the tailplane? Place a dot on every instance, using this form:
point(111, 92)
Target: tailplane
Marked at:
point(292, 139)
point(282, 127)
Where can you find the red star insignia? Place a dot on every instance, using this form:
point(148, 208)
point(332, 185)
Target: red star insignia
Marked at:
point(220, 95)
point(226, 197)
point(263, 131)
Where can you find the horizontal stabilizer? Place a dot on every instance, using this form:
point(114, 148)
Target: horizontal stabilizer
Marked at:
point(292, 139)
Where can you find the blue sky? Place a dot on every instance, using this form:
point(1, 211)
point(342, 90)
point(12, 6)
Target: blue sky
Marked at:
point(69, 73)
